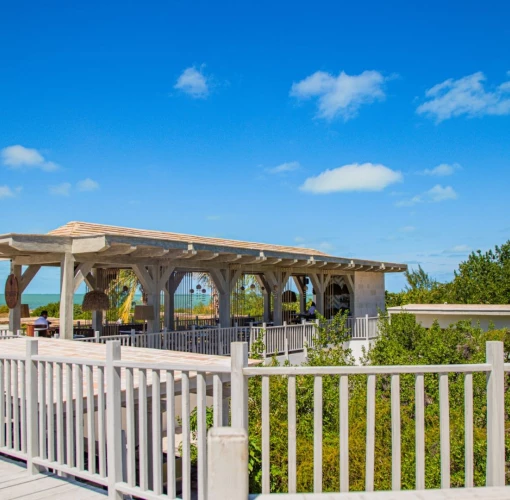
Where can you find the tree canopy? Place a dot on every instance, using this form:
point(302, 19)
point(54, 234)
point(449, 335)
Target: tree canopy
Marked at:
point(484, 278)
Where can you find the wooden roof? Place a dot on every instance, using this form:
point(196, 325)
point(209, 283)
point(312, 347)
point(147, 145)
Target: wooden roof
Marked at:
point(76, 229)
point(116, 246)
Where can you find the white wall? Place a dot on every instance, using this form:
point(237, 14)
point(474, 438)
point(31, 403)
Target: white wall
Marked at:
point(368, 293)
point(446, 320)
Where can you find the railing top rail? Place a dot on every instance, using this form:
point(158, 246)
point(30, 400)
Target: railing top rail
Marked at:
point(205, 368)
point(365, 370)
point(507, 367)
point(12, 357)
point(69, 360)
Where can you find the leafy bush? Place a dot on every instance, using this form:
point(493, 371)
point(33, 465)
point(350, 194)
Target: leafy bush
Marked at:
point(401, 342)
point(54, 311)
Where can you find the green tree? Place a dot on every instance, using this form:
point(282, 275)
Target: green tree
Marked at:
point(484, 278)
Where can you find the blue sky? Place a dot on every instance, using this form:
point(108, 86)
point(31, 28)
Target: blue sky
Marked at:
point(377, 130)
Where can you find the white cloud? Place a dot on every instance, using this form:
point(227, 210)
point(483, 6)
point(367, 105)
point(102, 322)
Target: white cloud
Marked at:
point(353, 177)
point(6, 192)
point(284, 167)
point(465, 96)
point(18, 156)
point(87, 185)
point(340, 95)
point(193, 82)
point(407, 229)
point(299, 239)
point(434, 195)
point(458, 249)
point(63, 189)
point(442, 170)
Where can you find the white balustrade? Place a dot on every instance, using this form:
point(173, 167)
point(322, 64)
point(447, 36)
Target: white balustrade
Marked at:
point(113, 422)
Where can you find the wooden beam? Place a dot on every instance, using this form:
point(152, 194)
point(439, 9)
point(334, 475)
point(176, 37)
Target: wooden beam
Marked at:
point(147, 252)
point(38, 259)
point(289, 262)
point(89, 244)
point(28, 276)
point(118, 249)
point(80, 272)
point(145, 279)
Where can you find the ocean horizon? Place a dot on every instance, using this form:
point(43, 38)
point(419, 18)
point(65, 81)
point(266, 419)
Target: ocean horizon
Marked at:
point(35, 300)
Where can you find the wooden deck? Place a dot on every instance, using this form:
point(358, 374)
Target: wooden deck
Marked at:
point(15, 482)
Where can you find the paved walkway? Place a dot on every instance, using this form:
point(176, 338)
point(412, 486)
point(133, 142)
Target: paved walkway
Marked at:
point(15, 482)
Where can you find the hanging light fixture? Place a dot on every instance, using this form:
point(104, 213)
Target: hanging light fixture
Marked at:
point(242, 289)
point(252, 286)
point(95, 300)
point(204, 290)
point(192, 291)
point(199, 286)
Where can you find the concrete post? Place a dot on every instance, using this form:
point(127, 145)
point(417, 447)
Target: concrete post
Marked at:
point(239, 385)
point(66, 296)
point(227, 475)
point(113, 417)
point(15, 314)
point(31, 375)
point(495, 414)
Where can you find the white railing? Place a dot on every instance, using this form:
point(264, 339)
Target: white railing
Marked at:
point(110, 422)
point(494, 367)
point(277, 340)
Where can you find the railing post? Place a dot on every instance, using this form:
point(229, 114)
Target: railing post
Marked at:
point(31, 376)
point(285, 341)
point(114, 419)
point(366, 326)
point(227, 476)
point(194, 339)
point(239, 385)
point(495, 415)
point(264, 338)
point(132, 339)
point(96, 337)
point(20, 333)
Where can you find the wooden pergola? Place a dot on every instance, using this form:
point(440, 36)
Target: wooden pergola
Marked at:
point(81, 250)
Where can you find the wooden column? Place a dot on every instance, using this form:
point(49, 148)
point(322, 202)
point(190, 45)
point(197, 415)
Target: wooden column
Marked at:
point(223, 279)
point(66, 296)
point(320, 282)
point(154, 300)
point(266, 295)
point(277, 280)
point(97, 316)
point(300, 282)
point(170, 288)
point(15, 314)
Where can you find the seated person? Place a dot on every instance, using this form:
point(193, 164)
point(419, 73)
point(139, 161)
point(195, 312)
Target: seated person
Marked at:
point(311, 310)
point(42, 324)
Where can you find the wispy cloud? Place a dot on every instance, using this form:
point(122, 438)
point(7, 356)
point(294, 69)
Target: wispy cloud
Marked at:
point(284, 167)
point(6, 192)
point(341, 95)
point(193, 82)
point(212, 217)
point(353, 177)
point(465, 96)
point(63, 189)
point(87, 185)
point(407, 229)
point(19, 157)
point(434, 195)
point(458, 250)
point(442, 170)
